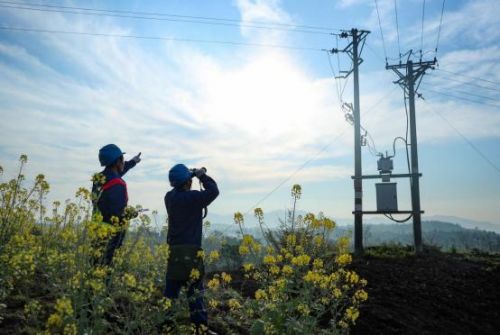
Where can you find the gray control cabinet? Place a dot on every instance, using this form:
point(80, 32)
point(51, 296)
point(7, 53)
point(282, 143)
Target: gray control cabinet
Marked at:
point(387, 198)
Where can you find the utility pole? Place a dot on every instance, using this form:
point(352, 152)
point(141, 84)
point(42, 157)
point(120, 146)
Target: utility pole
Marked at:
point(409, 82)
point(354, 51)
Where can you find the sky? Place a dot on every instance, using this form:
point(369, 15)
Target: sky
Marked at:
point(252, 98)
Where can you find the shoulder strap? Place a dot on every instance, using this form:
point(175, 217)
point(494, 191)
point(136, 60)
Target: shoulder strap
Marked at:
point(113, 182)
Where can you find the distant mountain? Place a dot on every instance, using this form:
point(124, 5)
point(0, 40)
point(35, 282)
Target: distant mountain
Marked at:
point(466, 223)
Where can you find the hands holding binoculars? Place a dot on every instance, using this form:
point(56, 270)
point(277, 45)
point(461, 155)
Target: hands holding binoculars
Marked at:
point(198, 172)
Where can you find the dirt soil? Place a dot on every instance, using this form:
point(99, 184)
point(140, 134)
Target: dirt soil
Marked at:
point(432, 294)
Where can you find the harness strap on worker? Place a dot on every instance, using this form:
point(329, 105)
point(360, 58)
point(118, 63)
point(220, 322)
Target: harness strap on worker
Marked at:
point(113, 182)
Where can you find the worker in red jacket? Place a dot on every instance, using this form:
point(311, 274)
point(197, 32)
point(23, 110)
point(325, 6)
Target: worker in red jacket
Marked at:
point(110, 195)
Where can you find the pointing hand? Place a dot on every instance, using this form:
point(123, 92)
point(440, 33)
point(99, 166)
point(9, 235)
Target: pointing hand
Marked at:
point(137, 158)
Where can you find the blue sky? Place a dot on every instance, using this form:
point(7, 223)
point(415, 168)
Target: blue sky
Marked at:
point(252, 115)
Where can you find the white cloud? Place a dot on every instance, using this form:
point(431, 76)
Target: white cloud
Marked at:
point(252, 123)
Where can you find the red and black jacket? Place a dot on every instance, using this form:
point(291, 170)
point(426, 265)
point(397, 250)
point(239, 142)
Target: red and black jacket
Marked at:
point(113, 196)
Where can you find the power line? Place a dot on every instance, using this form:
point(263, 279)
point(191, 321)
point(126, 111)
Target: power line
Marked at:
point(422, 35)
point(476, 96)
point(176, 39)
point(334, 78)
point(467, 76)
point(163, 17)
point(467, 83)
point(462, 98)
point(397, 26)
point(171, 15)
point(439, 29)
point(476, 149)
point(374, 52)
point(381, 31)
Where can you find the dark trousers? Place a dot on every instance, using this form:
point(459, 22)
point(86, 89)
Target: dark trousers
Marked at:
point(109, 246)
point(195, 298)
point(115, 242)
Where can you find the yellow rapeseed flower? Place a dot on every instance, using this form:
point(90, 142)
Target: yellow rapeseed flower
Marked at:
point(318, 263)
point(248, 267)
point(247, 240)
point(226, 277)
point(274, 269)
point(303, 309)
point(287, 270)
point(301, 260)
point(352, 277)
point(213, 303)
point(361, 295)
point(318, 240)
point(200, 254)
point(100, 272)
point(234, 304)
point(129, 280)
point(54, 321)
point(195, 274)
point(213, 283)
point(291, 240)
point(260, 295)
point(343, 259)
point(269, 259)
point(313, 277)
point(337, 293)
point(244, 250)
point(214, 256)
point(352, 314)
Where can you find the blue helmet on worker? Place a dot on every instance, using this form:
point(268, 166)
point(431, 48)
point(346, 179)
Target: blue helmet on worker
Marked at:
point(179, 174)
point(108, 154)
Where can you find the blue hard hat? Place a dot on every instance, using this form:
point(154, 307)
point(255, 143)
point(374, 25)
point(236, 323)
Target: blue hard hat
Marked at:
point(178, 175)
point(108, 154)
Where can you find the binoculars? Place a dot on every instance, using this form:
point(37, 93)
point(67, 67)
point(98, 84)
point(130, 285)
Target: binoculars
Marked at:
point(194, 172)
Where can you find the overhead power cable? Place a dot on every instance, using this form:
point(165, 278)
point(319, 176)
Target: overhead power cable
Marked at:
point(397, 26)
point(462, 98)
point(422, 34)
point(439, 29)
point(170, 15)
point(469, 142)
point(466, 83)
point(337, 87)
point(162, 17)
point(467, 76)
point(176, 39)
point(381, 31)
point(474, 95)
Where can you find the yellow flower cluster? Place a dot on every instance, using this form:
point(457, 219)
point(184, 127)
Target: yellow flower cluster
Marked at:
point(213, 283)
point(226, 277)
point(63, 309)
point(301, 260)
point(195, 274)
point(343, 259)
point(249, 244)
point(234, 304)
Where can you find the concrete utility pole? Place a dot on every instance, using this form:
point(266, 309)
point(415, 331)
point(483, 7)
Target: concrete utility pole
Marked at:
point(354, 51)
point(407, 81)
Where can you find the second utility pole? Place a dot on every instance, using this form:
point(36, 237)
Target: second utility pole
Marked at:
point(409, 79)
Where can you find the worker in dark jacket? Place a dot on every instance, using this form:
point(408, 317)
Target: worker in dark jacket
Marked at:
point(185, 209)
point(110, 195)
